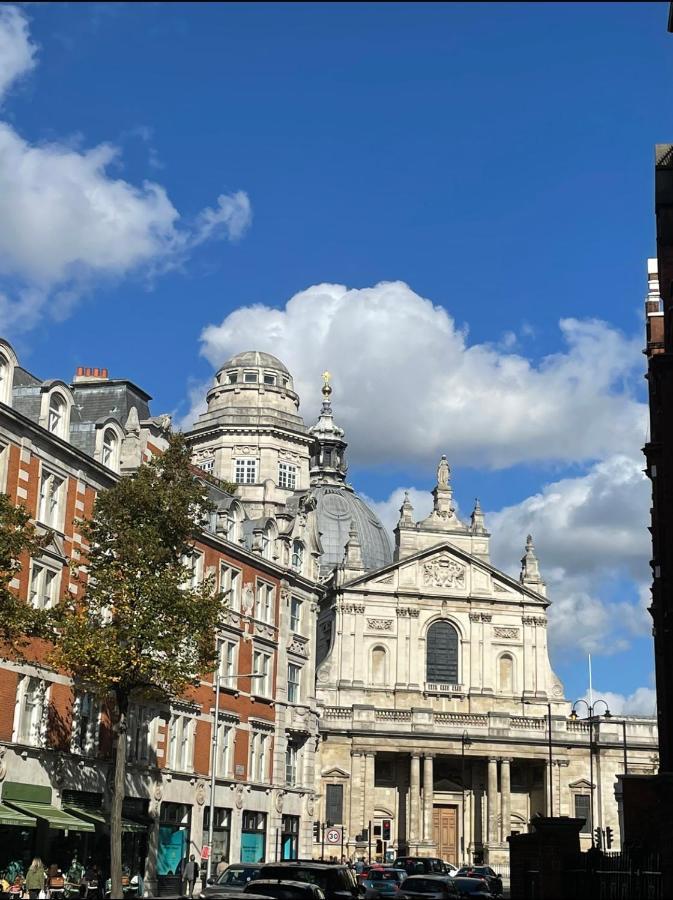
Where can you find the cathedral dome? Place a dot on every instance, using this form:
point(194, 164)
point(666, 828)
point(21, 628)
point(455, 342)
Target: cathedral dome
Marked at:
point(339, 508)
point(255, 359)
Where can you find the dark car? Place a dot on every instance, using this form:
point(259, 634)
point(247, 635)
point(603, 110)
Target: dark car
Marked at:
point(236, 894)
point(284, 890)
point(476, 888)
point(382, 882)
point(420, 865)
point(429, 887)
point(234, 878)
point(493, 880)
point(336, 881)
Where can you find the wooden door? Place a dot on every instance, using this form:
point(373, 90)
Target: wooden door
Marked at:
point(445, 827)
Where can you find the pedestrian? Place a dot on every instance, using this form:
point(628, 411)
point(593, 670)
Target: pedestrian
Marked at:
point(189, 875)
point(221, 866)
point(359, 865)
point(35, 879)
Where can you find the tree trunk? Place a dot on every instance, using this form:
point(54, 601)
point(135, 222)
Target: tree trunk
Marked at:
point(118, 791)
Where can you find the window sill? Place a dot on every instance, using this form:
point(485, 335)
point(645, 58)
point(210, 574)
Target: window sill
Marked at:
point(267, 701)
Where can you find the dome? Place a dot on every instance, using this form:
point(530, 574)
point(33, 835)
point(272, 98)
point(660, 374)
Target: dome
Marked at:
point(337, 507)
point(256, 359)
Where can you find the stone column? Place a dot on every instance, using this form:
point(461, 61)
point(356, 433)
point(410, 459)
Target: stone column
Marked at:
point(415, 798)
point(428, 797)
point(356, 795)
point(492, 800)
point(506, 798)
point(370, 762)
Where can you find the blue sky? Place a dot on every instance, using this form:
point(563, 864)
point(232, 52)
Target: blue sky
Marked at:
point(495, 158)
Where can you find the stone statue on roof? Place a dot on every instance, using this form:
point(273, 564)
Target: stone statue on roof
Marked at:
point(443, 473)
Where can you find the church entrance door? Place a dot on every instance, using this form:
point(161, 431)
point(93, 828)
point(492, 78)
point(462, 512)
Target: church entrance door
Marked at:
point(445, 819)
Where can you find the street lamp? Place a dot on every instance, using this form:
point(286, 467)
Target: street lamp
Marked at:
point(551, 778)
point(213, 760)
point(590, 718)
point(464, 742)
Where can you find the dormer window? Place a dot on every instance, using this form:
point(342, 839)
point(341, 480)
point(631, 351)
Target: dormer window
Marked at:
point(250, 377)
point(4, 380)
point(110, 446)
point(297, 556)
point(56, 418)
point(269, 378)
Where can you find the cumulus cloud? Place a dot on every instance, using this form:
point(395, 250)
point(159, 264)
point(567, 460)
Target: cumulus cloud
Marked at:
point(65, 220)
point(17, 53)
point(408, 385)
point(642, 702)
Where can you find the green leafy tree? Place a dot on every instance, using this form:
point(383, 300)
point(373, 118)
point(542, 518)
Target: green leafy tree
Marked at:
point(18, 539)
point(138, 629)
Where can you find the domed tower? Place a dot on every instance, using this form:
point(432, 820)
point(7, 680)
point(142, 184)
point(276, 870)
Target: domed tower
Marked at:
point(343, 517)
point(252, 433)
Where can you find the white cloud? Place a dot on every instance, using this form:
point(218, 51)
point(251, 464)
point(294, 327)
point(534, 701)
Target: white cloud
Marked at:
point(409, 386)
point(17, 53)
point(66, 221)
point(642, 702)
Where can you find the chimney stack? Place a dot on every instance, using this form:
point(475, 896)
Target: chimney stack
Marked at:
point(86, 373)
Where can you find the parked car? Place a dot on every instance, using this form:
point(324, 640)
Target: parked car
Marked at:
point(419, 865)
point(284, 890)
point(337, 881)
point(429, 887)
point(492, 878)
point(236, 894)
point(476, 888)
point(450, 868)
point(234, 878)
point(364, 874)
point(382, 882)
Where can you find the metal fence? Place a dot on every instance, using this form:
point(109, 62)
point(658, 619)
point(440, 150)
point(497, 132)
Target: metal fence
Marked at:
point(616, 876)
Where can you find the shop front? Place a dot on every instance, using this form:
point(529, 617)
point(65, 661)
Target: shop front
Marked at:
point(175, 822)
point(253, 837)
point(31, 826)
point(290, 837)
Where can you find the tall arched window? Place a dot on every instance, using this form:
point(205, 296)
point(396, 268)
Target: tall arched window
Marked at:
point(442, 654)
point(110, 443)
point(4, 380)
point(56, 420)
point(297, 556)
point(506, 674)
point(378, 666)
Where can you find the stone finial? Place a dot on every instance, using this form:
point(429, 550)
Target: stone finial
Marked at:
point(406, 511)
point(530, 568)
point(132, 425)
point(353, 550)
point(477, 519)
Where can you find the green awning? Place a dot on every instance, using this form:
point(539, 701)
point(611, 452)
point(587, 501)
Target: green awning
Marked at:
point(55, 818)
point(98, 817)
point(12, 817)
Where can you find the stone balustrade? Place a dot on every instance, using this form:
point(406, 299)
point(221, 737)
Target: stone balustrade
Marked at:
point(609, 732)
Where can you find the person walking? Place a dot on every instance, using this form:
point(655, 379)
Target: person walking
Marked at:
point(221, 866)
point(189, 875)
point(35, 879)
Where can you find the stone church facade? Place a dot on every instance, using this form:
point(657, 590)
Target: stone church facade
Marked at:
point(433, 686)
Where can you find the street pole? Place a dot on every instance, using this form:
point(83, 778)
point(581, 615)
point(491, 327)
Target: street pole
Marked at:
point(369, 835)
point(551, 777)
point(213, 762)
point(591, 773)
point(464, 742)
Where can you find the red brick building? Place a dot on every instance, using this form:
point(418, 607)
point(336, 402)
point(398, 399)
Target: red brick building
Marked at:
point(60, 444)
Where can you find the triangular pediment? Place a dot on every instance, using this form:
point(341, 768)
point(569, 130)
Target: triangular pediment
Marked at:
point(334, 772)
point(580, 784)
point(441, 569)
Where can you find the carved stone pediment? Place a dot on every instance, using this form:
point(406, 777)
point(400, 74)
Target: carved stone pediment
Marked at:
point(444, 572)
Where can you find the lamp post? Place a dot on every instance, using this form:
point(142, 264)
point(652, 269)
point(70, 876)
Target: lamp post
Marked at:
point(550, 746)
point(590, 718)
point(464, 742)
point(213, 758)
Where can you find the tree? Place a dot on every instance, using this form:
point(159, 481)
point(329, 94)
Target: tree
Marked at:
point(18, 539)
point(138, 629)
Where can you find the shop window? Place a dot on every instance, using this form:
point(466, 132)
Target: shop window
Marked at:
point(290, 837)
point(221, 833)
point(253, 837)
point(174, 830)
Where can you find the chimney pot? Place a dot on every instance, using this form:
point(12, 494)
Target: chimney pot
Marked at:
point(95, 373)
point(87, 371)
point(103, 373)
point(80, 370)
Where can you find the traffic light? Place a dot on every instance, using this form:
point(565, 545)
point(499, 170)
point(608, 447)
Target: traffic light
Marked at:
point(316, 832)
point(385, 831)
point(608, 837)
point(365, 834)
point(598, 838)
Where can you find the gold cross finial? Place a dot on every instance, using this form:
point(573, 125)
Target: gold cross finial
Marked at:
point(326, 377)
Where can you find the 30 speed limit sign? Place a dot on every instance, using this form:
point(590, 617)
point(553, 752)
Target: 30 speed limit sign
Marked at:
point(333, 836)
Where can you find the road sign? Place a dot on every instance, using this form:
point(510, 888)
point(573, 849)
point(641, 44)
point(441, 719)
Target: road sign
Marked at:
point(333, 836)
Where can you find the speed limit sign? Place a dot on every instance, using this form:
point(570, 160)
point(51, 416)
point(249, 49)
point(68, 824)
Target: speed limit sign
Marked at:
point(333, 836)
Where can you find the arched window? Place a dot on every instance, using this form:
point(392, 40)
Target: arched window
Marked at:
point(233, 523)
point(442, 654)
point(4, 380)
point(297, 556)
point(110, 444)
point(506, 674)
point(268, 542)
point(56, 419)
point(378, 665)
